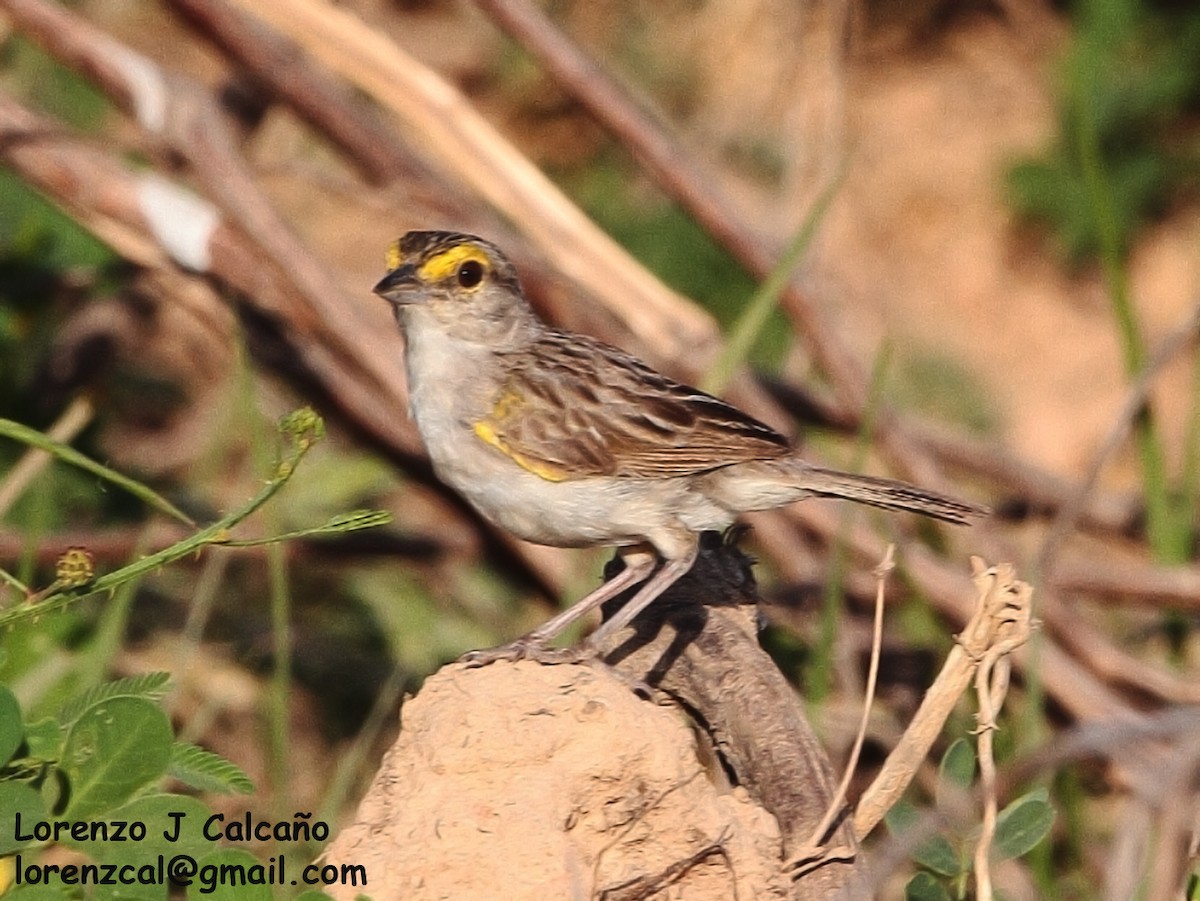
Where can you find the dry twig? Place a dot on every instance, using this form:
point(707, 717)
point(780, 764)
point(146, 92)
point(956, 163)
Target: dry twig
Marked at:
point(453, 133)
point(1001, 601)
point(813, 853)
point(991, 687)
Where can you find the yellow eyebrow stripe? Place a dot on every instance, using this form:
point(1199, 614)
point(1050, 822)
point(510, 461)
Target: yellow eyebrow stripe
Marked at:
point(440, 265)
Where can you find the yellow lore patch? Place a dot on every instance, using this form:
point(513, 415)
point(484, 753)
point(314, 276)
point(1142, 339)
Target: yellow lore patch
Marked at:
point(395, 256)
point(446, 263)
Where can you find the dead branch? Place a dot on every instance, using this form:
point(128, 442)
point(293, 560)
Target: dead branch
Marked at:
point(454, 134)
point(323, 103)
point(1129, 582)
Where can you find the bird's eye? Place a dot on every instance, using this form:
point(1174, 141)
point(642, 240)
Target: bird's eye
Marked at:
point(469, 274)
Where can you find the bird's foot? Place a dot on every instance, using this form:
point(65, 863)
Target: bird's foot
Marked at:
point(527, 648)
point(531, 648)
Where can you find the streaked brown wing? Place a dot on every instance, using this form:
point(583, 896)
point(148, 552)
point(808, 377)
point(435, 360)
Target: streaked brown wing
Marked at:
point(574, 407)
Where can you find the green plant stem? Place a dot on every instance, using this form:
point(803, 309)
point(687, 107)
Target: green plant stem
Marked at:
point(32, 437)
point(343, 522)
point(1189, 479)
point(276, 712)
point(70, 423)
point(13, 582)
point(763, 302)
point(1169, 538)
point(215, 534)
point(819, 681)
point(281, 677)
point(819, 678)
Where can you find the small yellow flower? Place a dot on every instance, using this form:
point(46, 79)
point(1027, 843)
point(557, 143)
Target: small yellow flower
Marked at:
point(75, 568)
point(303, 426)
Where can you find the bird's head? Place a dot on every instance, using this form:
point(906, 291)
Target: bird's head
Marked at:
point(463, 283)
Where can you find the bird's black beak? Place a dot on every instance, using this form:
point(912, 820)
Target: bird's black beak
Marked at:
point(396, 287)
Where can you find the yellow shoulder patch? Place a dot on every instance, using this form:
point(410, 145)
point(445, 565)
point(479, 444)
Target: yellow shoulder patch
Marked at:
point(486, 433)
point(440, 265)
point(506, 406)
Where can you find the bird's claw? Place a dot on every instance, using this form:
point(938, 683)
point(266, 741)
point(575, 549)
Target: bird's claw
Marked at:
point(527, 649)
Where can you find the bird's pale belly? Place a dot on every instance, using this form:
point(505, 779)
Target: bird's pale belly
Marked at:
point(578, 512)
point(573, 513)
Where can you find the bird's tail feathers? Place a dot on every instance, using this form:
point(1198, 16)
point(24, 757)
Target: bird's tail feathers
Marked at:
point(889, 494)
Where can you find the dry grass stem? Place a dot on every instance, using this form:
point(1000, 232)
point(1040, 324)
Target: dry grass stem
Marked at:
point(991, 687)
point(1001, 600)
point(812, 853)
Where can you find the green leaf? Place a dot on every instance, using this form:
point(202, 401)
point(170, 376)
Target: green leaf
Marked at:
point(68, 454)
point(958, 764)
point(18, 799)
point(902, 817)
point(43, 739)
point(938, 855)
point(1023, 823)
point(12, 729)
point(206, 771)
point(174, 825)
point(924, 887)
point(238, 876)
point(135, 892)
point(38, 893)
point(312, 894)
point(54, 788)
point(114, 748)
point(148, 686)
point(165, 817)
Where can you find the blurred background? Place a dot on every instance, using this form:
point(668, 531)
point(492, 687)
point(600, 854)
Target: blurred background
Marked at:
point(988, 212)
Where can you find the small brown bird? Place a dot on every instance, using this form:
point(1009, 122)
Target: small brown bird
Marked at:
point(564, 440)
